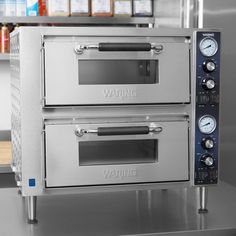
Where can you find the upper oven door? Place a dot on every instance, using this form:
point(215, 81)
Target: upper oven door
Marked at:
point(118, 153)
point(116, 70)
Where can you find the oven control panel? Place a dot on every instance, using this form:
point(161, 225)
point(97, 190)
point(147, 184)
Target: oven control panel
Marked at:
point(207, 108)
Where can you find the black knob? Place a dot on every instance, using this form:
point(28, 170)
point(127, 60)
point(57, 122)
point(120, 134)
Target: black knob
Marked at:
point(207, 160)
point(208, 83)
point(207, 143)
point(209, 66)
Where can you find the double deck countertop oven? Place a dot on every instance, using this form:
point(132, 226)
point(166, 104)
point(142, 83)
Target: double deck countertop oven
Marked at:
point(106, 109)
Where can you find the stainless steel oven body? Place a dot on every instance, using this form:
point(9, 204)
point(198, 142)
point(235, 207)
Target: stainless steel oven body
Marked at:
point(107, 109)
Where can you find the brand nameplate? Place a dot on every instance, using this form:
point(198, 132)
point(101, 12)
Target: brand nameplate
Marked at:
point(119, 173)
point(208, 34)
point(119, 93)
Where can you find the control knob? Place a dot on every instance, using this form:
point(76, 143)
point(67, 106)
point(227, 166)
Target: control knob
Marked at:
point(209, 66)
point(208, 83)
point(207, 160)
point(207, 143)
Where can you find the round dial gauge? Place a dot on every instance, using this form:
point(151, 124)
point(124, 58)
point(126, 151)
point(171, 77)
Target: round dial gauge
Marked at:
point(208, 47)
point(207, 124)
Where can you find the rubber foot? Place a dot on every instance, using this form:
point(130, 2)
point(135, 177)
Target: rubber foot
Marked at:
point(32, 221)
point(202, 211)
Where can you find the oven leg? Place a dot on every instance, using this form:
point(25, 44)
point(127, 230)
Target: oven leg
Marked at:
point(32, 202)
point(203, 200)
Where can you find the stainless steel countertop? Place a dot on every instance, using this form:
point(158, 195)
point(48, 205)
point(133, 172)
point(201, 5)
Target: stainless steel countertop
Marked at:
point(158, 212)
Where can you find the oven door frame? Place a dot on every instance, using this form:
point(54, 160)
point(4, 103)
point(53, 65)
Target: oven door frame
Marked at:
point(61, 85)
point(174, 160)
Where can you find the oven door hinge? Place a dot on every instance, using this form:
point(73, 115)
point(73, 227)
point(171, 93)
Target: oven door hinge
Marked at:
point(42, 42)
point(42, 49)
point(188, 40)
point(43, 100)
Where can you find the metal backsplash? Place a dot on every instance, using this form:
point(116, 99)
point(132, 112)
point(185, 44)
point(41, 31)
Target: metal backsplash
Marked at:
point(175, 13)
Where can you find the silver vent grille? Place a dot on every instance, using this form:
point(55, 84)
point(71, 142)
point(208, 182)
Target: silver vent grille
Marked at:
point(16, 104)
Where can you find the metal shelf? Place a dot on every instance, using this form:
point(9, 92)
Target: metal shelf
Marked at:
point(5, 169)
point(4, 57)
point(77, 20)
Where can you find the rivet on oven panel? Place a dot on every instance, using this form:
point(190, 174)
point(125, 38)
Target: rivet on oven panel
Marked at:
point(152, 125)
point(13, 167)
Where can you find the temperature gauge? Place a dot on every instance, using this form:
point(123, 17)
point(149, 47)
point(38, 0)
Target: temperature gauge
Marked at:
point(208, 47)
point(207, 124)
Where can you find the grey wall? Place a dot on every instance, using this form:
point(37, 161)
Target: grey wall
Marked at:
point(222, 14)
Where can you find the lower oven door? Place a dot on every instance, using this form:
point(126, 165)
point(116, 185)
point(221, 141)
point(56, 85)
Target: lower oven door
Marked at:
point(118, 153)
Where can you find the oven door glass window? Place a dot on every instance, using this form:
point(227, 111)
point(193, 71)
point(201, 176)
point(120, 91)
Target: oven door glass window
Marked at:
point(117, 152)
point(94, 72)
